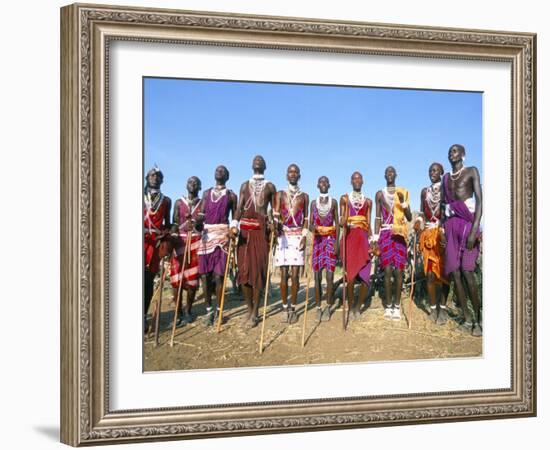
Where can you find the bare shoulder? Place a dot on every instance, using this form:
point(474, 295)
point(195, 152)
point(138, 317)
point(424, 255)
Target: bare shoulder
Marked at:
point(378, 195)
point(244, 186)
point(472, 171)
point(369, 202)
point(423, 191)
point(334, 203)
point(271, 187)
point(344, 198)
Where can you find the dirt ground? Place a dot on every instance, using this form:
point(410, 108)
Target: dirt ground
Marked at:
point(371, 338)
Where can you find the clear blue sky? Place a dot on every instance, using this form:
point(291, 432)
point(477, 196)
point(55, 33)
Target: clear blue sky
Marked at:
point(191, 126)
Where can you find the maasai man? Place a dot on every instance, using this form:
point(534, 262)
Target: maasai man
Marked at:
point(255, 196)
point(217, 202)
point(392, 214)
point(187, 222)
point(355, 211)
point(291, 219)
point(156, 225)
point(462, 197)
point(324, 225)
point(431, 245)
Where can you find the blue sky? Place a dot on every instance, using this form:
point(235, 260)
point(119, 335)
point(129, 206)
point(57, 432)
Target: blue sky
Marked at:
point(191, 126)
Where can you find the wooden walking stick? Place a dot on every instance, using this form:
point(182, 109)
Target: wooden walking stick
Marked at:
point(159, 304)
point(185, 259)
point(308, 274)
point(153, 316)
point(344, 274)
point(267, 281)
point(412, 282)
point(222, 299)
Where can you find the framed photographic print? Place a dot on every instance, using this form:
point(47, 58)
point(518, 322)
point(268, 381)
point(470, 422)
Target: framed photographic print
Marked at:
point(280, 224)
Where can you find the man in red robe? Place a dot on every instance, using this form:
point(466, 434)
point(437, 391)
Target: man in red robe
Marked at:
point(156, 225)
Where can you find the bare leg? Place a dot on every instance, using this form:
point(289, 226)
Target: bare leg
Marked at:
point(206, 286)
point(190, 299)
point(255, 304)
point(363, 291)
point(330, 288)
point(247, 294)
point(218, 283)
point(445, 289)
point(432, 289)
point(388, 287)
point(318, 287)
point(148, 288)
point(398, 287)
point(295, 284)
point(432, 295)
point(472, 291)
point(460, 294)
point(350, 293)
point(284, 284)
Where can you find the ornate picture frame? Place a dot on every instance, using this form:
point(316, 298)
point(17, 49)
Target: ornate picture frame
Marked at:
point(87, 32)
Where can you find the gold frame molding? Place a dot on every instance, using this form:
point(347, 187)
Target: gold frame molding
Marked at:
point(86, 31)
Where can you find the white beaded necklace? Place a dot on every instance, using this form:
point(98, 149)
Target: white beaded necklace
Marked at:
point(433, 197)
point(389, 197)
point(256, 186)
point(217, 194)
point(357, 199)
point(323, 208)
point(153, 205)
point(456, 175)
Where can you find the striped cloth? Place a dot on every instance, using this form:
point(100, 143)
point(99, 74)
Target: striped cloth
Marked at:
point(191, 270)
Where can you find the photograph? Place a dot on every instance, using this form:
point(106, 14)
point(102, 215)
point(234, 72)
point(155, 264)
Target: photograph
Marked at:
point(275, 224)
point(298, 224)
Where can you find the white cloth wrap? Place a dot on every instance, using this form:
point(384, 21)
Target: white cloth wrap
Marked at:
point(288, 251)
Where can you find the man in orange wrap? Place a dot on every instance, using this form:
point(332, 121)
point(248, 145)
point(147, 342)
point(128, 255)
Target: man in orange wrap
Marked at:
point(432, 245)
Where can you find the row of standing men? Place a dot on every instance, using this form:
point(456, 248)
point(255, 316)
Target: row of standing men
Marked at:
point(198, 234)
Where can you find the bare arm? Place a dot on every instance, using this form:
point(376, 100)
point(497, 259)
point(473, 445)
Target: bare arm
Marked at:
point(477, 215)
point(442, 202)
point(368, 214)
point(378, 219)
point(167, 213)
point(335, 215)
point(312, 226)
point(306, 210)
point(343, 210)
point(407, 210)
point(233, 204)
point(175, 217)
point(240, 204)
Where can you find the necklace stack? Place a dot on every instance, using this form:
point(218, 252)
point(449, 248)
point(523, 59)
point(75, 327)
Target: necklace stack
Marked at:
point(292, 192)
point(456, 175)
point(323, 208)
point(433, 198)
point(357, 200)
point(389, 197)
point(153, 200)
point(192, 204)
point(256, 186)
point(217, 193)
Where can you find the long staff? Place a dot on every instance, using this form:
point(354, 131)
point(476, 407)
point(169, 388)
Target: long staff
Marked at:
point(222, 296)
point(155, 300)
point(412, 282)
point(308, 275)
point(184, 261)
point(344, 274)
point(268, 279)
point(159, 303)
